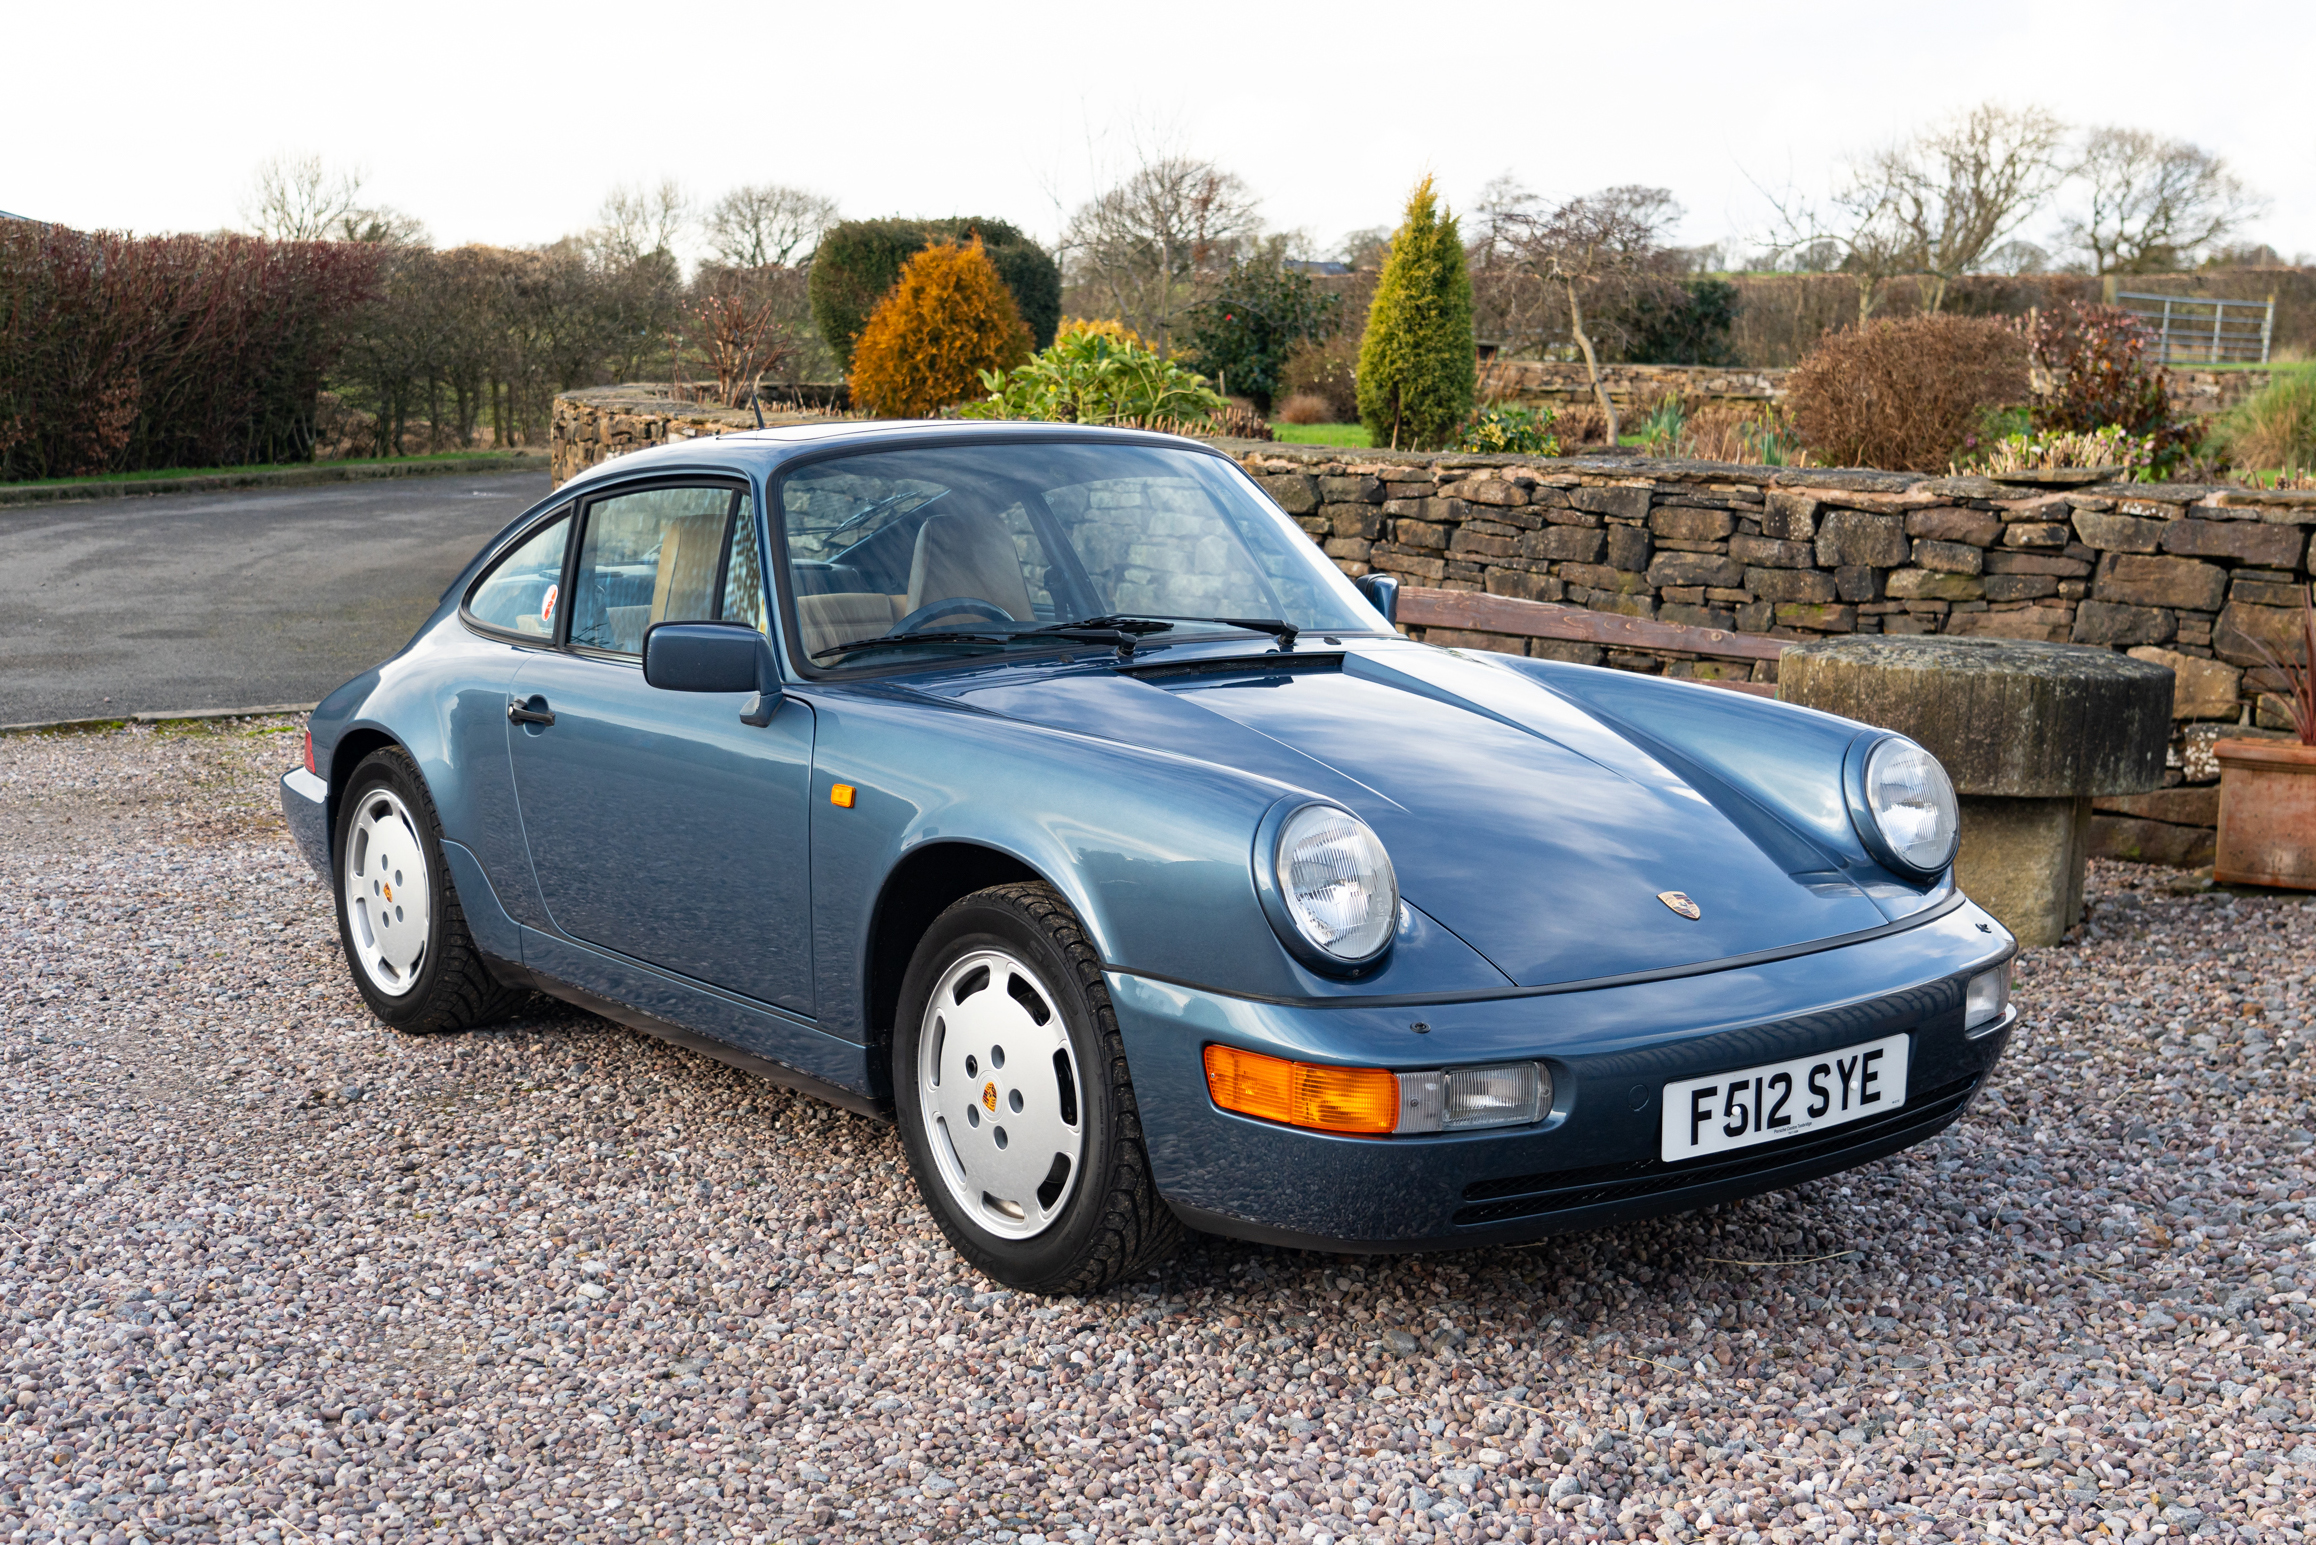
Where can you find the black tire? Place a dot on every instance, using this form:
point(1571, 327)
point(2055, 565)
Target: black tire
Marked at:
point(452, 988)
point(1114, 1224)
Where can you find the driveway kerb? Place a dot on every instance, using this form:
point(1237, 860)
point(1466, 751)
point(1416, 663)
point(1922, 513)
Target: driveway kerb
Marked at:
point(172, 716)
point(293, 477)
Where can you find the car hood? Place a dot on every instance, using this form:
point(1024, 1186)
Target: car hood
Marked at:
point(1540, 832)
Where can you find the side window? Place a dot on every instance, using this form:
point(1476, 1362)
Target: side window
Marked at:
point(743, 573)
point(521, 590)
point(648, 557)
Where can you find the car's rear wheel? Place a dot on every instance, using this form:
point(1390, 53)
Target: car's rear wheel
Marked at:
point(398, 917)
point(1014, 1101)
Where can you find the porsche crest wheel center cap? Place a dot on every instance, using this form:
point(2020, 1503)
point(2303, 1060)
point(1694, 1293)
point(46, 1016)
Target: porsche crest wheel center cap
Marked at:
point(1680, 903)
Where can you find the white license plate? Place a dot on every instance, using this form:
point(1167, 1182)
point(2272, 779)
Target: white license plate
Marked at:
point(1784, 1099)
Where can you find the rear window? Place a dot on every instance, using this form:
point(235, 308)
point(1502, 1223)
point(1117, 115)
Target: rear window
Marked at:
point(520, 592)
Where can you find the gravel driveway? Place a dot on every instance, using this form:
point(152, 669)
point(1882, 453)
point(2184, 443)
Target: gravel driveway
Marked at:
point(273, 1273)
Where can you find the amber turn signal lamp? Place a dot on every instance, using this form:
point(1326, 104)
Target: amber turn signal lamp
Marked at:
point(1303, 1094)
point(840, 795)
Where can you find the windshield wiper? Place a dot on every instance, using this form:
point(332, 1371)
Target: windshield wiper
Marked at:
point(1285, 632)
point(1096, 632)
point(1120, 630)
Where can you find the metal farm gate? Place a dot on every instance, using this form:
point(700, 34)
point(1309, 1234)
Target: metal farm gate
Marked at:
point(2199, 330)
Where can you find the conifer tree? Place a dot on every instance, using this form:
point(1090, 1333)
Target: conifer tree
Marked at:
point(948, 319)
point(1418, 367)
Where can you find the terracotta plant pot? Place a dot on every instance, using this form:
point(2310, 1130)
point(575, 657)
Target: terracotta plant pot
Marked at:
point(2267, 814)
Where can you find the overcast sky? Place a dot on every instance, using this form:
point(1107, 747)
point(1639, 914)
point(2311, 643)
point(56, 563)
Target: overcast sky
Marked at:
point(507, 124)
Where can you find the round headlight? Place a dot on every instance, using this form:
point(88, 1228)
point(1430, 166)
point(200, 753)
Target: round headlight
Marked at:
point(1912, 805)
point(1336, 884)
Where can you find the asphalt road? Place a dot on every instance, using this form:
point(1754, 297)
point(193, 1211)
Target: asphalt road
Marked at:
point(232, 599)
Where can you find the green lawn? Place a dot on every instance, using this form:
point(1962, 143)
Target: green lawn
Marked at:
point(1353, 435)
point(168, 472)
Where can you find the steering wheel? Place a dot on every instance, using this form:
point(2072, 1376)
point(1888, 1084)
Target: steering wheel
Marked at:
point(956, 605)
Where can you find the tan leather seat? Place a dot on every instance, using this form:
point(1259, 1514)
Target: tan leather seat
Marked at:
point(829, 620)
point(967, 555)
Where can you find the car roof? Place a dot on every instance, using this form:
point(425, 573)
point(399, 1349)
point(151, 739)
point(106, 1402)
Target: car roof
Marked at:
point(760, 450)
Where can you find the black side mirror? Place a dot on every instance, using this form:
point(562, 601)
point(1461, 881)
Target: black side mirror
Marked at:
point(1382, 592)
point(713, 657)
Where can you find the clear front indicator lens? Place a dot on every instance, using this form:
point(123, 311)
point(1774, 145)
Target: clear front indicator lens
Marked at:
point(1913, 804)
point(1372, 1102)
point(1987, 997)
point(1337, 882)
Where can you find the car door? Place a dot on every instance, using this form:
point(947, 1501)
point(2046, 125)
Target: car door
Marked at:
point(658, 824)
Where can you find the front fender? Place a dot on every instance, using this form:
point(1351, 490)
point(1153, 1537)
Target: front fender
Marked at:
point(1784, 760)
point(1152, 850)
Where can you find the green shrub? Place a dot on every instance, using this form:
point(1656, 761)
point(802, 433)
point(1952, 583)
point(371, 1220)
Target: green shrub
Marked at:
point(1240, 337)
point(859, 261)
point(1096, 374)
point(1418, 365)
point(1684, 322)
point(2274, 429)
point(1511, 431)
point(947, 323)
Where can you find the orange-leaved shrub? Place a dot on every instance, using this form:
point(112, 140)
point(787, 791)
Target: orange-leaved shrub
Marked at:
point(1903, 395)
point(923, 349)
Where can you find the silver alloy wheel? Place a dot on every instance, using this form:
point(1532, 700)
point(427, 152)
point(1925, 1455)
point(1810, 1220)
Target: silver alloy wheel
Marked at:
point(387, 893)
point(999, 1094)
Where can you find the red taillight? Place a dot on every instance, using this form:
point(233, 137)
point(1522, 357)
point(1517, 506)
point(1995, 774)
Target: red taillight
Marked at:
point(310, 767)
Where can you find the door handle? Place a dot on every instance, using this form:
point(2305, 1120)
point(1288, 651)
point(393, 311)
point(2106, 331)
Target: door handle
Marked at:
point(531, 710)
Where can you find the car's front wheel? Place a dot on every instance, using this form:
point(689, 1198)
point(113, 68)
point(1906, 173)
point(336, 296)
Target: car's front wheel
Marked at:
point(1014, 1102)
point(398, 917)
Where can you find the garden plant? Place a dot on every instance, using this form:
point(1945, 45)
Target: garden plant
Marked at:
point(858, 263)
point(1096, 373)
point(1905, 394)
point(1418, 368)
point(1241, 337)
point(925, 348)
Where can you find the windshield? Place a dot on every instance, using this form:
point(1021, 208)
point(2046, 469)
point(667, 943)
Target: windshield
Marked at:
point(966, 547)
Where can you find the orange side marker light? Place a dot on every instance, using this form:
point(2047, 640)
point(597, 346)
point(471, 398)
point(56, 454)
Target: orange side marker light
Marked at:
point(841, 795)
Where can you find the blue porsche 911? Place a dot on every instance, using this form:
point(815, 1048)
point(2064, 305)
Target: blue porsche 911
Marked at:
point(1046, 791)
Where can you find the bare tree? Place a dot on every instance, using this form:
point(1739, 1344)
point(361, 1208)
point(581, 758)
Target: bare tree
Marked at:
point(1366, 250)
point(1142, 245)
point(1855, 233)
point(1956, 192)
point(2150, 202)
point(1512, 305)
point(300, 198)
point(637, 222)
point(1590, 248)
point(382, 225)
point(766, 223)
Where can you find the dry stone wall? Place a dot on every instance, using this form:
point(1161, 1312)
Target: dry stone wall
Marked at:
point(598, 423)
point(1558, 384)
point(2198, 575)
